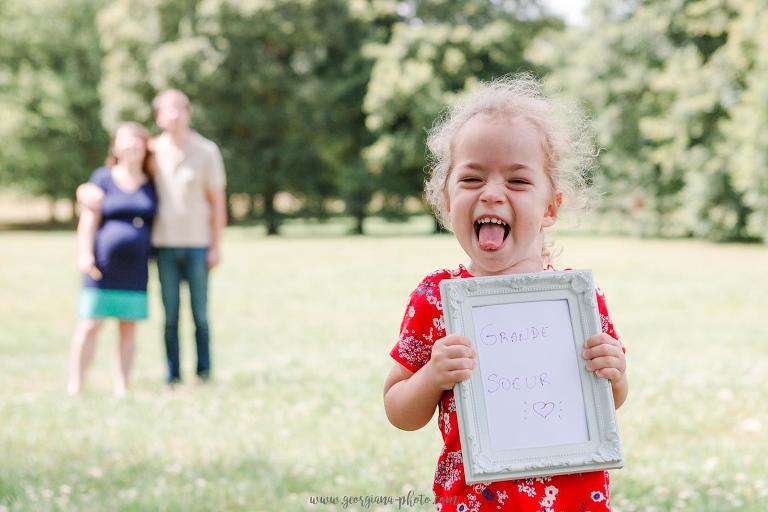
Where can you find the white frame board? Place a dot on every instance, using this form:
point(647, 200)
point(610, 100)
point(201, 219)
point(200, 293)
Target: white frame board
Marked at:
point(598, 445)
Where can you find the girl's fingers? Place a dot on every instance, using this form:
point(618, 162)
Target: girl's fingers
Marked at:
point(602, 350)
point(462, 363)
point(455, 339)
point(611, 374)
point(460, 375)
point(600, 363)
point(601, 339)
point(457, 351)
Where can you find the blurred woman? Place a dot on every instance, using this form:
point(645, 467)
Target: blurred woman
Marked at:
point(113, 251)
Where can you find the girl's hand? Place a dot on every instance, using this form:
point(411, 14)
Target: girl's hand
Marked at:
point(86, 263)
point(452, 361)
point(605, 357)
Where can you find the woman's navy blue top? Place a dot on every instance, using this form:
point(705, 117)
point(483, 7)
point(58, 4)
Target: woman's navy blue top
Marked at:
point(123, 237)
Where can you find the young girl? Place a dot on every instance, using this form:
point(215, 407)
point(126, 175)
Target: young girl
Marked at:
point(113, 251)
point(504, 160)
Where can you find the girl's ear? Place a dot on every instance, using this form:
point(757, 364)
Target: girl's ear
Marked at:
point(550, 215)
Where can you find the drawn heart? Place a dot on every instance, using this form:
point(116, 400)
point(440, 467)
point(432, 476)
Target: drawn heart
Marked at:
point(543, 409)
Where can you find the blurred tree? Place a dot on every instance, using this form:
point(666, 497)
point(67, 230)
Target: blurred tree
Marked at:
point(742, 148)
point(677, 98)
point(440, 49)
point(342, 82)
point(609, 66)
point(49, 74)
point(277, 84)
point(699, 84)
point(332, 98)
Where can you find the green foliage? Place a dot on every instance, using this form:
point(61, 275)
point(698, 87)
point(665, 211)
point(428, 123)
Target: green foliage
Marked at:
point(678, 101)
point(743, 146)
point(277, 84)
point(331, 99)
point(49, 73)
point(441, 49)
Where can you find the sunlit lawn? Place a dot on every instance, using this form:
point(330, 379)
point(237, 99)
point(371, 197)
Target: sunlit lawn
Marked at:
point(302, 328)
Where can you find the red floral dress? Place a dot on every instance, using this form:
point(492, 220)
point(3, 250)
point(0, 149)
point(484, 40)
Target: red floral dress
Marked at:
point(422, 326)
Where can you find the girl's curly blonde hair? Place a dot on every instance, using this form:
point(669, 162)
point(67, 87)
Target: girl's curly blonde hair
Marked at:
point(565, 132)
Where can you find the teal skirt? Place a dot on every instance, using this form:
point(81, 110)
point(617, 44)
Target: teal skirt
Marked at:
point(104, 303)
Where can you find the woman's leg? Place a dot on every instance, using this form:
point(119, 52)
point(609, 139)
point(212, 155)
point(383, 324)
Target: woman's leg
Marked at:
point(125, 354)
point(81, 355)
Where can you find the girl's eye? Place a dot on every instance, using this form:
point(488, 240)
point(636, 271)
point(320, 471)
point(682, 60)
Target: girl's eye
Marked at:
point(518, 181)
point(470, 179)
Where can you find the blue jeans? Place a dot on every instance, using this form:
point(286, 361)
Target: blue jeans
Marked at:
point(177, 264)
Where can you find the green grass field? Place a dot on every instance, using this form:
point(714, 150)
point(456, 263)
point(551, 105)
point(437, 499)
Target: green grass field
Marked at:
point(302, 326)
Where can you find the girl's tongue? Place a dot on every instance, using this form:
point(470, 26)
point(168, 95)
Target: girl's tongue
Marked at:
point(491, 236)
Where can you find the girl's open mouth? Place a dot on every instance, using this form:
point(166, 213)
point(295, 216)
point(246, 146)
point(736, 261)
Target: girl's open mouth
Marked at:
point(491, 232)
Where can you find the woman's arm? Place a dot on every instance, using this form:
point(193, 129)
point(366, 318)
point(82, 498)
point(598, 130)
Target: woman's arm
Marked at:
point(86, 232)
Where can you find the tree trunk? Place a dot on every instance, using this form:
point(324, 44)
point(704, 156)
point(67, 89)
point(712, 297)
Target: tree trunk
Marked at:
point(437, 228)
point(659, 203)
point(359, 220)
point(51, 210)
point(270, 214)
point(228, 205)
point(253, 207)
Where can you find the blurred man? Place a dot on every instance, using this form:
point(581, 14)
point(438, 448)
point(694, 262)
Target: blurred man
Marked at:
point(190, 183)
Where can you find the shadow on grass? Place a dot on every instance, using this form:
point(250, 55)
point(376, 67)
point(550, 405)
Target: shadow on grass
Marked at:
point(39, 226)
point(380, 228)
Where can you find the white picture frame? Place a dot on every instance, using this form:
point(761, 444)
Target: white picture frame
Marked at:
point(506, 432)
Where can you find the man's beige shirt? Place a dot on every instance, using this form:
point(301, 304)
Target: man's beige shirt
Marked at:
point(182, 180)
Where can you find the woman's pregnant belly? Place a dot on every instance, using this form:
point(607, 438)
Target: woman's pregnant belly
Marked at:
point(121, 240)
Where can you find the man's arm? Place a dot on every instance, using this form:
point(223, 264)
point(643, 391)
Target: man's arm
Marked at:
point(217, 201)
point(89, 196)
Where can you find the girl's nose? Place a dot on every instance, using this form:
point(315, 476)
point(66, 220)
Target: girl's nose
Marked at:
point(492, 193)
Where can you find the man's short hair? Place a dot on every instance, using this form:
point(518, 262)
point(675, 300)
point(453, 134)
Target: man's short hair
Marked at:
point(162, 95)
